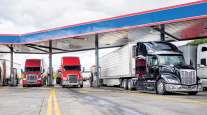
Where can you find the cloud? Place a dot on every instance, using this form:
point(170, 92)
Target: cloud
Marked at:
point(19, 16)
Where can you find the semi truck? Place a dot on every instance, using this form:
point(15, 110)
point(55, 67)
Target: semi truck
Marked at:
point(5, 72)
point(34, 73)
point(157, 67)
point(202, 64)
point(197, 56)
point(71, 72)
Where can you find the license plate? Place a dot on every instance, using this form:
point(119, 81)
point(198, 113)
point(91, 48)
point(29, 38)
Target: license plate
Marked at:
point(189, 87)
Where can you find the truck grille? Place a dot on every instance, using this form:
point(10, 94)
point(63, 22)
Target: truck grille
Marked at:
point(72, 78)
point(31, 77)
point(188, 77)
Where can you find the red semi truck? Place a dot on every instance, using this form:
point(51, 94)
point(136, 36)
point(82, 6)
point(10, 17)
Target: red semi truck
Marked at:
point(34, 73)
point(71, 72)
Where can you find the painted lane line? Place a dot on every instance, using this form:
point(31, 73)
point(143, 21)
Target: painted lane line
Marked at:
point(49, 106)
point(53, 104)
point(56, 104)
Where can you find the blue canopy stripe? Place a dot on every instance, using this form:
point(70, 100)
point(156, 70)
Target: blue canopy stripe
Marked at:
point(180, 13)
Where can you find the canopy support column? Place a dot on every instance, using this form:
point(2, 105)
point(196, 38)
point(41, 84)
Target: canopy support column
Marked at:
point(162, 32)
point(97, 73)
point(50, 75)
point(12, 77)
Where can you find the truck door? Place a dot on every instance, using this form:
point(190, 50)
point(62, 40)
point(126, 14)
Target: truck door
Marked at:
point(140, 67)
point(153, 69)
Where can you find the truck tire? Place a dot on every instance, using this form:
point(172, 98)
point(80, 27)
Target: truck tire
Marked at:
point(130, 84)
point(192, 93)
point(63, 86)
point(160, 87)
point(125, 83)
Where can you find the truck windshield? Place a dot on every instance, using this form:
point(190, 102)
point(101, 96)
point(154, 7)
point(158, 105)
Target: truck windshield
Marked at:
point(32, 69)
point(72, 68)
point(171, 59)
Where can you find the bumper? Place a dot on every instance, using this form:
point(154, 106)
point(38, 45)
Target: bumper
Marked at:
point(183, 88)
point(38, 82)
point(68, 83)
point(204, 83)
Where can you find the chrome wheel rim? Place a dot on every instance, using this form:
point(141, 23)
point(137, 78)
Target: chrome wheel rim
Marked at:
point(160, 87)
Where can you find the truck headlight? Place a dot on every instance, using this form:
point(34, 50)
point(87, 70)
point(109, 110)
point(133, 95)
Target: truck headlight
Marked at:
point(172, 81)
point(39, 78)
point(64, 78)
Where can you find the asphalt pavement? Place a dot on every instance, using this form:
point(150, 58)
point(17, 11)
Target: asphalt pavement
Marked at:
point(96, 101)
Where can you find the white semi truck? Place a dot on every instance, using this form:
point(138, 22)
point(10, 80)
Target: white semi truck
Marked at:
point(197, 57)
point(202, 64)
point(149, 66)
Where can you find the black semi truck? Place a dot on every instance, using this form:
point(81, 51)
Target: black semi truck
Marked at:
point(149, 66)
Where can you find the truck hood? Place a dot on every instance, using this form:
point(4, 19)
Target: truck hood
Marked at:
point(174, 69)
point(32, 73)
point(71, 72)
point(66, 73)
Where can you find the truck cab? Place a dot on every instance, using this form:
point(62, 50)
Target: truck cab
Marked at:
point(33, 74)
point(71, 72)
point(161, 67)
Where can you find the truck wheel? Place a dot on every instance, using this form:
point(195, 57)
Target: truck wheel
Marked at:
point(130, 85)
point(63, 86)
point(160, 88)
point(192, 93)
point(125, 83)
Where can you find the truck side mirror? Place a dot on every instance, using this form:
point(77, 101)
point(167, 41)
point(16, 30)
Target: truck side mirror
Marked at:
point(83, 69)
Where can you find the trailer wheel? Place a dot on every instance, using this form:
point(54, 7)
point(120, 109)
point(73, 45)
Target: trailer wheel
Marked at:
point(130, 85)
point(160, 87)
point(192, 93)
point(125, 83)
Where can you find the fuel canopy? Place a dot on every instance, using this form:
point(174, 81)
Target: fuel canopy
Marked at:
point(181, 22)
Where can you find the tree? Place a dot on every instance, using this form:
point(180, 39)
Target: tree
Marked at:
point(197, 42)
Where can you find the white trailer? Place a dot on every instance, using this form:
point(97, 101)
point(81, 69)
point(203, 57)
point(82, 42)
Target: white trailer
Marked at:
point(117, 65)
point(202, 64)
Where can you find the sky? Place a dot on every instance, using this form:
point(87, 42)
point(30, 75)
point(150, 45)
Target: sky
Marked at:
point(21, 16)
